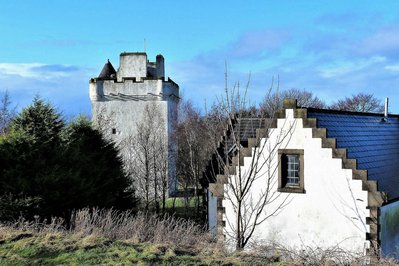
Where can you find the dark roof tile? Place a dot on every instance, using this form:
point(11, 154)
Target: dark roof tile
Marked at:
point(108, 71)
point(374, 143)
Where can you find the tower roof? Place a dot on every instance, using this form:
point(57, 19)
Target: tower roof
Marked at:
point(107, 71)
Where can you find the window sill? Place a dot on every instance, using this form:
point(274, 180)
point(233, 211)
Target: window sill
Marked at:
point(291, 190)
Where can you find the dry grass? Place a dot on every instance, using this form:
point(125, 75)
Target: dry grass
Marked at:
point(115, 225)
point(315, 256)
point(139, 228)
point(165, 239)
point(96, 236)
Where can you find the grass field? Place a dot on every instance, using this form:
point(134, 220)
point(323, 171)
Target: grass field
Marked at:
point(21, 248)
point(182, 208)
point(108, 237)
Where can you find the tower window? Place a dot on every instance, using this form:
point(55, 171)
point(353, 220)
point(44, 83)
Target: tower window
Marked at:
point(114, 131)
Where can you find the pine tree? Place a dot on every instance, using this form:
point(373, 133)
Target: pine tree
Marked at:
point(95, 169)
point(50, 169)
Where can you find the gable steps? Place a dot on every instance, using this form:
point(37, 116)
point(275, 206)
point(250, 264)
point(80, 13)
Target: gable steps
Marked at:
point(261, 133)
point(359, 174)
point(375, 198)
point(252, 142)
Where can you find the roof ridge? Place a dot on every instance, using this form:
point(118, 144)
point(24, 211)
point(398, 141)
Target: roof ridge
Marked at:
point(332, 111)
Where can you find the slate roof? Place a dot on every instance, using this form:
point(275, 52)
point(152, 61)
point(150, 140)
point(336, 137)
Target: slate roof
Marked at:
point(244, 128)
point(107, 71)
point(368, 138)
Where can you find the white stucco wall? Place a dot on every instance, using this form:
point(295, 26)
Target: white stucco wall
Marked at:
point(332, 210)
point(125, 116)
point(172, 113)
point(132, 65)
point(123, 104)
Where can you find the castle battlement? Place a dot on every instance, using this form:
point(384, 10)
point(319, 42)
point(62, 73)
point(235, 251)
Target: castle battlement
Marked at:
point(134, 79)
point(100, 87)
point(135, 76)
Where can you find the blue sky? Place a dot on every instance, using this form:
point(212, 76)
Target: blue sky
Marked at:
point(332, 48)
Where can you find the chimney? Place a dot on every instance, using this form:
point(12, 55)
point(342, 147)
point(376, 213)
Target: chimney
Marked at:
point(386, 108)
point(160, 64)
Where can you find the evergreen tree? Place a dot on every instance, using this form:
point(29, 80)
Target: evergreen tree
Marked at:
point(94, 168)
point(41, 121)
point(50, 169)
point(29, 154)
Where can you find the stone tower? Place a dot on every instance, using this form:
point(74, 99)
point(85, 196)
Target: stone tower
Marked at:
point(120, 99)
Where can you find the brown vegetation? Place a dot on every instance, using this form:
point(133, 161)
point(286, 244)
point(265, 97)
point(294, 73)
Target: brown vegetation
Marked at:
point(166, 240)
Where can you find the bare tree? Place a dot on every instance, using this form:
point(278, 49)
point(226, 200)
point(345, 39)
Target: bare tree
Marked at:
point(274, 101)
point(146, 159)
point(360, 102)
point(193, 152)
point(6, 112)
point(144, 152)
point(241, 140)
point(104, 121)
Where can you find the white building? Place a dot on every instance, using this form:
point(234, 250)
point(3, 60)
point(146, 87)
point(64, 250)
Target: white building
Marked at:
point(119, 100)
point(331, 179)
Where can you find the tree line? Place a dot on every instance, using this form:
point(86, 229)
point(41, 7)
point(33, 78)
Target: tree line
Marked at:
point(49, 167)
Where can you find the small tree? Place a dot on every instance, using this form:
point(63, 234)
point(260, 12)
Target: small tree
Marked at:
point(274, 101)
point(6, 112)
point(29, 153)
point(248, 211)
point(360, 102)
point(146, 159)
point(195, 147)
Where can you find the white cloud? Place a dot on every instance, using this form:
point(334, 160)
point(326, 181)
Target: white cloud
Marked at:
point(384, 41)
point(393, 68)
point(345, 67)
point(36, 70)
point(23, 70)
point(65, 86)
point(258, 42)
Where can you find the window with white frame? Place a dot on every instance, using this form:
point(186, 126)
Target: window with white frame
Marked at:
point(292, 169)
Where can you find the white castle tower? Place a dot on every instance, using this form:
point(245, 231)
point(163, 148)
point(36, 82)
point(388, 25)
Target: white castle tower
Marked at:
point(121, 98)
